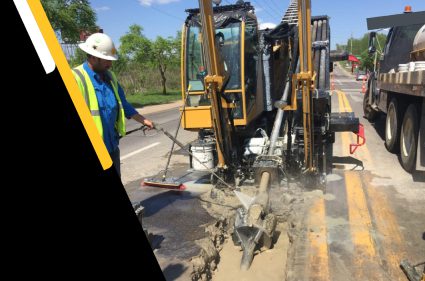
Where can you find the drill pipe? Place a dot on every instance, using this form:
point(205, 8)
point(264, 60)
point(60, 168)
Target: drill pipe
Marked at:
point(261, 199)
point(263, 191)
point(278, 121)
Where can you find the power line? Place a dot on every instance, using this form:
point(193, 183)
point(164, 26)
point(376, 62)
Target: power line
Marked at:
point(271, 8)
point(274, 4)
point(167, 14)
point(265, 10)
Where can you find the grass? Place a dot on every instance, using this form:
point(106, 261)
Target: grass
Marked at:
point(153, 97)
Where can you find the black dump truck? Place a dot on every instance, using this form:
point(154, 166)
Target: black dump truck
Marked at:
point(396, 86)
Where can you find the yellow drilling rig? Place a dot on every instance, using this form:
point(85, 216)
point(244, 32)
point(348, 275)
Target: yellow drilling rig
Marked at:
point(260, 101)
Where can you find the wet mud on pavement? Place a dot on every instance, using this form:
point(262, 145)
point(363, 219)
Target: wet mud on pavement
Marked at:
point(174, 220)
point(344, 231)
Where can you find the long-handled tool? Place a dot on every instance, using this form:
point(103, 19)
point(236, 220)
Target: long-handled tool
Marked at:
point(143, 128)
point(171, 183)
point(156, 127)
point(165, 182)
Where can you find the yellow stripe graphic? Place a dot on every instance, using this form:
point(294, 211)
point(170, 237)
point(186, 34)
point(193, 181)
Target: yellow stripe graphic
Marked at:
point(70, 83)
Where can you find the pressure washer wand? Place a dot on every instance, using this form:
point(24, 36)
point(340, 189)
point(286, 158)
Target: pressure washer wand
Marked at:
point(156, 127)
point(175, 135)
point(143, 128)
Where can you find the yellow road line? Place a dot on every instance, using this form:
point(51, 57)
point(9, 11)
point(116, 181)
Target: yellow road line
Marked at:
point(360, 226)
point(361, 153)
point(357, 207)
point(390, 239)
point(346, 103)
point(358, 214)
point(342, 106)
point(345, 136)
point(318, 255)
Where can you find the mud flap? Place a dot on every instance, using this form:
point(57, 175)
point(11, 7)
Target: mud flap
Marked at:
point(420, 154)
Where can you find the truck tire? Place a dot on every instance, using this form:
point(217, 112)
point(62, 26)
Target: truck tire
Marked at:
point(409, 138)
point(369, 113)
point(392, 126)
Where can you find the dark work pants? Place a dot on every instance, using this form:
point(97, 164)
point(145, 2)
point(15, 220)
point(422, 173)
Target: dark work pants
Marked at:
point(116, 161)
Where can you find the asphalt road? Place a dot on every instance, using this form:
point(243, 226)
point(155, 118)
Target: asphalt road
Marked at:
point(174, 219)
point(143, 154)
point(370, 217)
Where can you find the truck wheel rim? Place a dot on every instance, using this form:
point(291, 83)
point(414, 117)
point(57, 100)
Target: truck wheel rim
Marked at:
point(407, 138)
point(390, 128)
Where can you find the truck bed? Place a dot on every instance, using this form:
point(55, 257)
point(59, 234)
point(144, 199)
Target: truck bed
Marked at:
point(411, 83)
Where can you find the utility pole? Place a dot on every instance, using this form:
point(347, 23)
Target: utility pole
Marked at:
point(351, 43)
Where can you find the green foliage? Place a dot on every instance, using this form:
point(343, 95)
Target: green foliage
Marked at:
point(165, 53)
point(135, 46)
point(133, 78)
point(147, 65)
point(366, 61)
point(120, 65)
point(69, 17)
point(136, 80)
point(381, 38)
point(359, 48)
point(143, 65)
point(341, 47)
point(79, 57)
point(153, 97)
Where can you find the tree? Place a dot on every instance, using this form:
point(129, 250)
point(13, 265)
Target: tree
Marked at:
point(135, 46)
point(78, 58)
point(135, 58)
point(360, 49)
point(165, 53)
point(69, 17)
point(366, 61)
point(341, 47)
point(358, 46)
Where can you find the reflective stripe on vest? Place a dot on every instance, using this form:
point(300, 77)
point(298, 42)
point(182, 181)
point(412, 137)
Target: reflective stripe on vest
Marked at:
point(86, 87)
point(86, 91)
point(120, 125)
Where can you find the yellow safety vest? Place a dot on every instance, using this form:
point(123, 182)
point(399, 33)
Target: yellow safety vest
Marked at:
point(89, 93)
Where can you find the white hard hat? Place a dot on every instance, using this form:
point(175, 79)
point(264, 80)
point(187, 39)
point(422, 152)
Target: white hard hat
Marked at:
point(100, 45)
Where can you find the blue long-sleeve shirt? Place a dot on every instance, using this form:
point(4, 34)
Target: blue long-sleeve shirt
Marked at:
point(108, 108)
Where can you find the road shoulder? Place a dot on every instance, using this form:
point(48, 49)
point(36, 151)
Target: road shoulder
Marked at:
point(158, 108)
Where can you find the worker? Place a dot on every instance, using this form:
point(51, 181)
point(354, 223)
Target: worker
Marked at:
point(104, 95)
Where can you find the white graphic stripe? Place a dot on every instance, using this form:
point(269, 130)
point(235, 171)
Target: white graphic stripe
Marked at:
point(35, 35)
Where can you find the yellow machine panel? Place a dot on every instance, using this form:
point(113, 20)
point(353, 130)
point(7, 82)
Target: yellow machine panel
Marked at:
point(197, 117)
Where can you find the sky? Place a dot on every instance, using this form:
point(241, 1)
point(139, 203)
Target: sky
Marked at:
point(166, 17)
